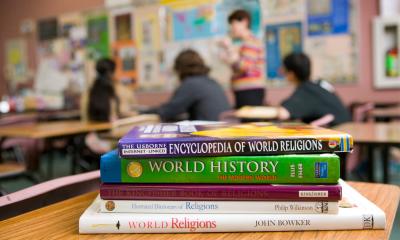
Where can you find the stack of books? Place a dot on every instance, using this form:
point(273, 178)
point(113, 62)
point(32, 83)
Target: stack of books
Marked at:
point(221, 177)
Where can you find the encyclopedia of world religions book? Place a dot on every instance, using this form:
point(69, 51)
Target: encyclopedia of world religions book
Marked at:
point(355, 212)
point(278, 169)
point(222, 139)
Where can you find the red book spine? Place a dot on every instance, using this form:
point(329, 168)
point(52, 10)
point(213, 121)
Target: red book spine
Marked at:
point(220, 192)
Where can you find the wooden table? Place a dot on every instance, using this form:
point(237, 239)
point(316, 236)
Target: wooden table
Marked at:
point(257, 113)
point(61, 129)
point(60, 221)
point(385, 113)
point(373, 135)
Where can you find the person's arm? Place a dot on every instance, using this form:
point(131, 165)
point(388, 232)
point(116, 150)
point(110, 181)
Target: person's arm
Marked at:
point(229, 53)
point(182, 99)
point(283, 113)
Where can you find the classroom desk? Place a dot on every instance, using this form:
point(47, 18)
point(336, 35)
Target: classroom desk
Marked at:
point(60, 221)
point(374, 135)
point(385, 113)
point(61, 129)
point(49, 131)
point(257, 113)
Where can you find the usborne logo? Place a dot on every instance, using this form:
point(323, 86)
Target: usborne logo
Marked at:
point(134, 169)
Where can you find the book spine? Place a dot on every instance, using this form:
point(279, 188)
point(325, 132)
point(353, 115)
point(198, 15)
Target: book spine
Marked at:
point(182, 223)
point(221, 193)
point(227, 147)
point(280, 169)
point(126, 206)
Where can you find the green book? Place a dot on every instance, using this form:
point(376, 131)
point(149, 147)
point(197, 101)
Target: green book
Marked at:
point(282, 169)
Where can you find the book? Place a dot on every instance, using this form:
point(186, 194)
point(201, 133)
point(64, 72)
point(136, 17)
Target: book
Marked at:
point(208, 207)
point(220, 192)
point(355, 212)
point(278, 169)
point(224, 139)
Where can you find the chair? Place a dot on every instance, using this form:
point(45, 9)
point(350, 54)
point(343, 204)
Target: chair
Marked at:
point(17, 154)
point(47, 193)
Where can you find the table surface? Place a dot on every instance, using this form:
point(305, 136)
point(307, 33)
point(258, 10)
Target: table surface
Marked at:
point(51, 129)
point(386, 112)
point(257, 112)
point(60, 221)
point(64, 128)
point(374, 132)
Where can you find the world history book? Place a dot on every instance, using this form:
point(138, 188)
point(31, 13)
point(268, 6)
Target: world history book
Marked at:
point(278, 169)
point(355, 212)
point(224, 139)
point(210, 207)
point(220, 192)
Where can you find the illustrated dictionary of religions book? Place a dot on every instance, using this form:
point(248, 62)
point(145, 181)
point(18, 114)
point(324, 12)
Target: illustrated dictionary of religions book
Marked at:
point(355, 212)
point(222, 139)
point(278, 169)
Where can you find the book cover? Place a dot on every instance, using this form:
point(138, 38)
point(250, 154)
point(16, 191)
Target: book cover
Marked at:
point(279, 169)
point(223, 139)
point(208, 207)
point(355, 212)
point(220, 192)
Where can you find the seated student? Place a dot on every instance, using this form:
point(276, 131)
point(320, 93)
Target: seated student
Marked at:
point(198, 95)
point(310, 101)
point(103, 100)
point(103, 104)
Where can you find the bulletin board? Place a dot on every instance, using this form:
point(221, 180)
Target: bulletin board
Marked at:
point(328, 37)
point(145, 39)
point(61, 57)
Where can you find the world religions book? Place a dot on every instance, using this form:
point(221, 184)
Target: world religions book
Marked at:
point(277, 169)
point(208, 207)
point(223, 139)
point(220, 192)
point(355, 212)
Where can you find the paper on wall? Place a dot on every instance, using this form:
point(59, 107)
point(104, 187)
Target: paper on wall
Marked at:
point(49, 78)
point(16, 61)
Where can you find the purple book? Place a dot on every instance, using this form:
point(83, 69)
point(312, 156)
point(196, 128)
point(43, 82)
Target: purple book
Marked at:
point(224, 139)
point(220, 192)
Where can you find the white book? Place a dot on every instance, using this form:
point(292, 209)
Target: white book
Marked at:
point(355, 212)
point(211, 207)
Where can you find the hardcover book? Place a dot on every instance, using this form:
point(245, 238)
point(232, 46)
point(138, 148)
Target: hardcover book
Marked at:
point(208, 207)
point(355, 212)
point(222, 139)
point(220, 192)
point(280, 169)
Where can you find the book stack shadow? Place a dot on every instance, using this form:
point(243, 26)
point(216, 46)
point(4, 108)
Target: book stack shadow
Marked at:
point(220, 177)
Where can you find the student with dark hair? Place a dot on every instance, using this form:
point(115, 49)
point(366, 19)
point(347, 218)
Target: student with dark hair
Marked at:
point(198, 95)
point(103, 100)
point(310, 100)
point(246, 61)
